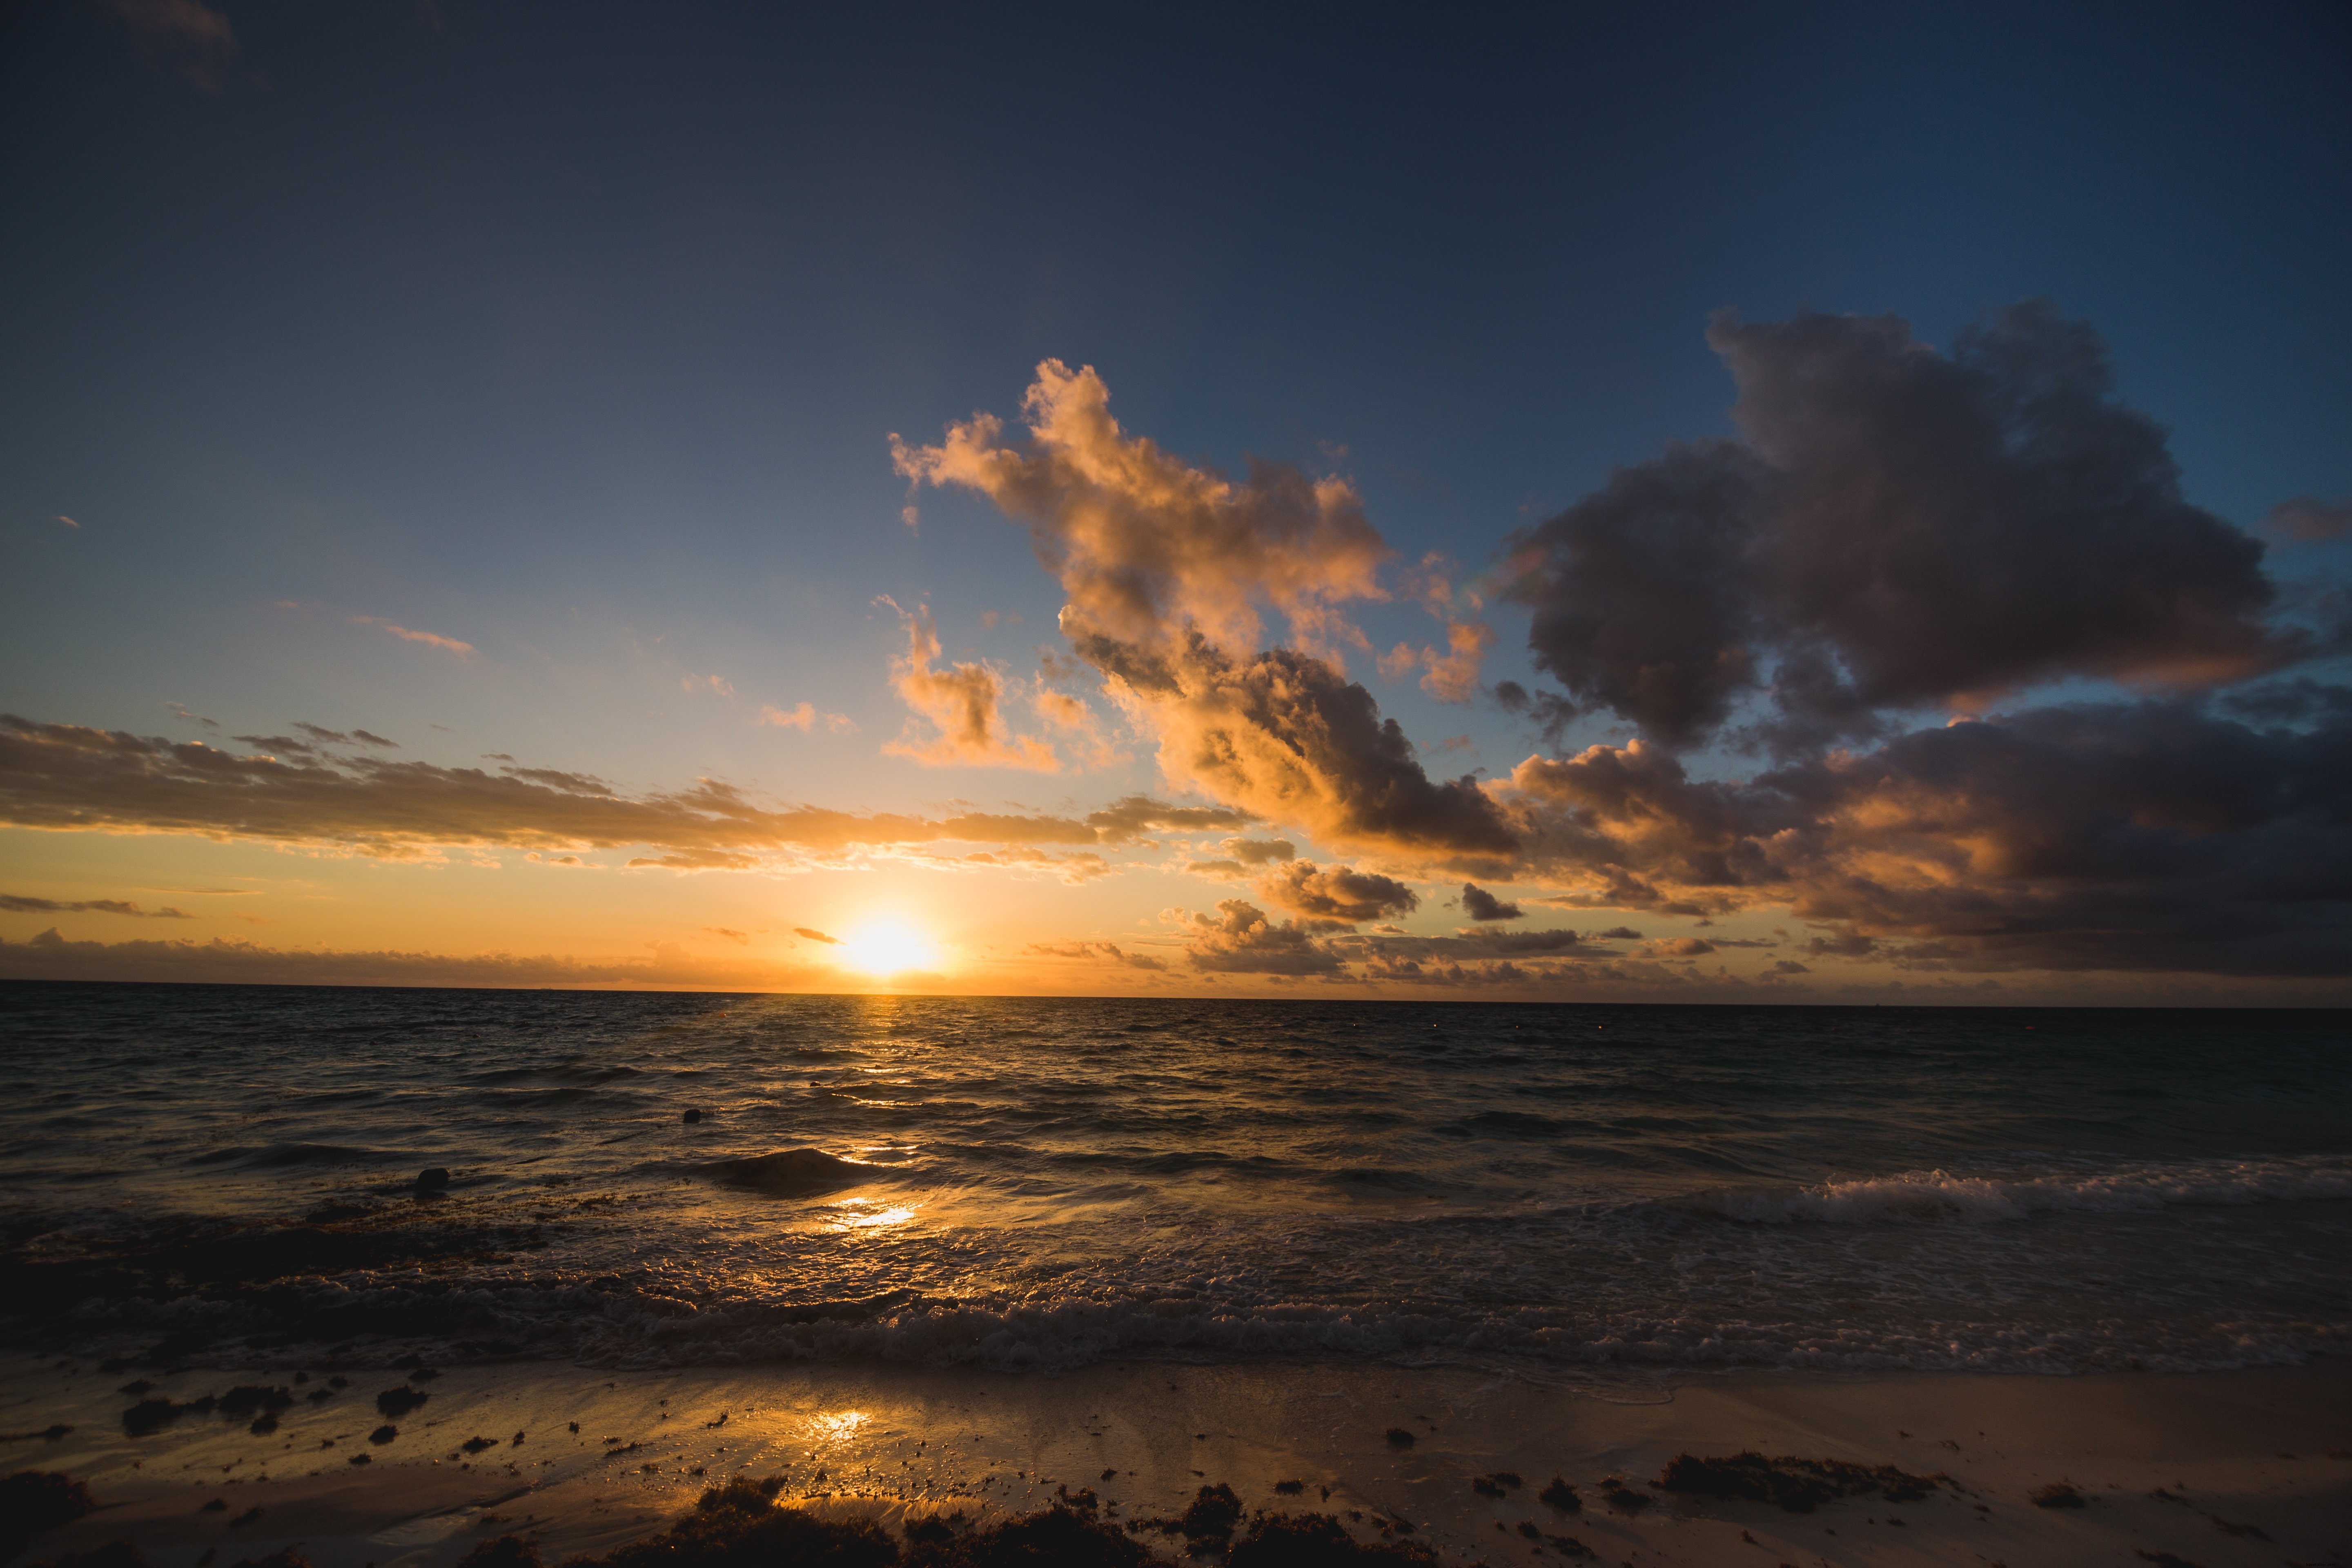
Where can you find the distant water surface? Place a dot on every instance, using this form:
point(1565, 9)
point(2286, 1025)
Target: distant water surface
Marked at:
point(229, 1170)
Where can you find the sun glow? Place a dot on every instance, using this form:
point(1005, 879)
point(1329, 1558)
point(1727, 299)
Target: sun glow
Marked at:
point(888, 947)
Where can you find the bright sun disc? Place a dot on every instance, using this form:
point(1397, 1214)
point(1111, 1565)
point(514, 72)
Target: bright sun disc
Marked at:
point(886, 947)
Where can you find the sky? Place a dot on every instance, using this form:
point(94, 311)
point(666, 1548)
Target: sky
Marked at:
point(1701, 503)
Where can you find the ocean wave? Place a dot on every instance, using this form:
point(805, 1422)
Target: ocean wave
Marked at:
point(592, 1323)
point(1942, 1195)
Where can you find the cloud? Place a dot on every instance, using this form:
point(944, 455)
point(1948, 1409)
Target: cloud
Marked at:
point(963, 704)
point(15, 903)
point(67, 520)
point(816, 936)
point(1340, 894)
point(49, 956)
point(1896, 528)
point(731, 935)
point(1681, 947)
point(1259, 851)
point(2307, 519)
point(1145, 544)
point(66, 777)
point(1240, 940)
point(1134, 816)
point(1079, 725)
point(991, 620)
point(1169, 570)
point(364, 739)
point(182, 713)
point(186, 35)
point(430, 639)
point(2146, 836)
point(1480, 905)
point(805, 718)
point(321, 736)
point(715, 684)
point(1452, 675)
point(1098, 950)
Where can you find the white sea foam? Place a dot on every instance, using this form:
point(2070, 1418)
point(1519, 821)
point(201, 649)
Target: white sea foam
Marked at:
point(1942, 1195)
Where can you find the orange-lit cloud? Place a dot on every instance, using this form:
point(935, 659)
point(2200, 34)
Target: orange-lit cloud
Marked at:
point(805, 717)
point(1167, 568)
point(1451, 676)
point(964, 707)
point(1145, 544)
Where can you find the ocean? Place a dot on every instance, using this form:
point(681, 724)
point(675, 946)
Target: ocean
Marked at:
point(1585, 1193)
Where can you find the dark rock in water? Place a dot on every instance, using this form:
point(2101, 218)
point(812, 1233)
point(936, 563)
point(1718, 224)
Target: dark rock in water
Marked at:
point(35, 1500)
point(789, 1172)
point(1398, 1437)
point(433, 1179)
point(383, 1435)
point(394, 1403)
point(692, 1117)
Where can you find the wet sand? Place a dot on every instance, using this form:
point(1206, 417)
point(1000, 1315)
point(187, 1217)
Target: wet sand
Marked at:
point(2258, 1465)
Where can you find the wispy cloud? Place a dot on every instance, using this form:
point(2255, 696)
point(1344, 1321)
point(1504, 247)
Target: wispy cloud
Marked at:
point(15, 903)
point(185, 35)
point(66, 777)
point(430, 639)
point(2307, 519)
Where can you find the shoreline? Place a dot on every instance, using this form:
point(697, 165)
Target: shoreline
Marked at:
point(896, 1442)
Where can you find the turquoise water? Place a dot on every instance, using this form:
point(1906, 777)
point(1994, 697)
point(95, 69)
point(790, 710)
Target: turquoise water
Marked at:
point(1036, 1184)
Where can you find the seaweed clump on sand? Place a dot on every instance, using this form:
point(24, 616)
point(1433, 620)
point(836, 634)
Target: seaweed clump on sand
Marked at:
point(1207, 1524)
point(1799, 1486)
point(740, 1525)
point(35, 1500)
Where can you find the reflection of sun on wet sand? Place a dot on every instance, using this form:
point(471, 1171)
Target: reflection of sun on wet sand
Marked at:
point(2215, 1469)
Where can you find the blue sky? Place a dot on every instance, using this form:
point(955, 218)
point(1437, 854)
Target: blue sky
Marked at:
point(577, 334)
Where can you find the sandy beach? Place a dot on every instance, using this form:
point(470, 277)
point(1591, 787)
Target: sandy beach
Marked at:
point(2217, 1468)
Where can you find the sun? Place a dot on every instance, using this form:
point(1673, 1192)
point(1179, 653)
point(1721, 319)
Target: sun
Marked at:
point(887, 947)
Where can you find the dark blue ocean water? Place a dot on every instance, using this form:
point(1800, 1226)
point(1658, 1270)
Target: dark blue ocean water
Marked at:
point(1036, 1184)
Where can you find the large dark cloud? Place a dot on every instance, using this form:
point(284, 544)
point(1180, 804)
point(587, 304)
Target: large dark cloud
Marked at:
point(1337, 893)
point(1896, 528)
point(2132, 835)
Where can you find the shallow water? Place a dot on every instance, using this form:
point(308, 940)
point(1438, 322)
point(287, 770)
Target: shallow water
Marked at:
point(1053, 1181)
